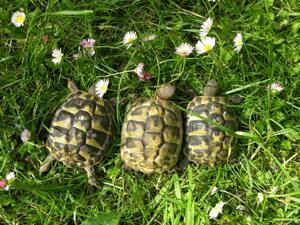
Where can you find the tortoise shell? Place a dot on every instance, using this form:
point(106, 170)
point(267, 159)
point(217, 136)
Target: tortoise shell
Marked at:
point(207, 143)
point(81, 130)
point(151, 136)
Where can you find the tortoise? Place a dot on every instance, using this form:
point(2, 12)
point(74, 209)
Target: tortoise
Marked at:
point(80, 131)
point(152, 133)
point(209, 128)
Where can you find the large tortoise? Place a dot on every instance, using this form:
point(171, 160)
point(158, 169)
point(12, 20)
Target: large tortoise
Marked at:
point(152, 133)
point(209, 128)
point(80, 131)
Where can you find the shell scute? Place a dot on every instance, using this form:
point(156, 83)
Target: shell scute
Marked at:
point(151, 136)
point(206, 142)
point(81, 130)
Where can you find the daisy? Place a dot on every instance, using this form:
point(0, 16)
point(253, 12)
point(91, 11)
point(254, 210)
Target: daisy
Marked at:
point(215, 211)
point(184, 49)
point(150, 37)
point(10, 176)
point(57, 56)
point(276, 87)
point(101, 87)
point(25, 135)
point(205, 27)
point(238, 42)
point(18, 18)
point(139, 70)
point(3, 184)
point(145, 76)
point(260, 198)
point(129, 37)
point(205, 45)
point(89, 45)
point(213, 191)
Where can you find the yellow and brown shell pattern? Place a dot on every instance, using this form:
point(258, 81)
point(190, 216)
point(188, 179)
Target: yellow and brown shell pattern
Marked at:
point(206, 143)
point(152, 136)
point(81, 130)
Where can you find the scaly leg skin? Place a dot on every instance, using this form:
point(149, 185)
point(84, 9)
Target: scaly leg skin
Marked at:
point(45, 165)
point(91, 176)
point(182, 163)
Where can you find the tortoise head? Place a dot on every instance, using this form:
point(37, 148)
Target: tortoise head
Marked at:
point(210, 88)
point(166, 91)
point(92, 90)
point(72, 86)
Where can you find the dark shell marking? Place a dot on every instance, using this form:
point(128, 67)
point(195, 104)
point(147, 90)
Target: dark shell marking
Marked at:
point(81, 130)
point(151, 136)
point(208, 144)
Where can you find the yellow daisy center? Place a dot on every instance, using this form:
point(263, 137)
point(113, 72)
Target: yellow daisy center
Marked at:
point(20, 19)
point(207, 47)
point(130, 40)
point(102, 88)
point(239, 42)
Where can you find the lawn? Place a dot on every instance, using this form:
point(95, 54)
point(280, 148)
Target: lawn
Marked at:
point(261, 186)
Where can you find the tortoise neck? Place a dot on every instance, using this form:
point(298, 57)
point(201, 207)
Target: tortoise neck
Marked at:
point(210, 91)
point(211, 88)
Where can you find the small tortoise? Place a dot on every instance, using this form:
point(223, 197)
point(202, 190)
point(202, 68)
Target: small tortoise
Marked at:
point(207, 143)
point(152, 133)
point(80, 132)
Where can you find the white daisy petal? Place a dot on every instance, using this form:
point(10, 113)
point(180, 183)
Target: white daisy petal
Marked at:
point(213, 191)
point(139, 70)
point(205, 27)
point(276, 87)
point(25, 135)
point(89, 45)
point(129, 37)
point(10, 176)
point(215, 211)
point(18, 18)
point(205, 45)
point(238, 42)
point(57, 56)
point(184, 49)
point(260, 197)
point(101, 87)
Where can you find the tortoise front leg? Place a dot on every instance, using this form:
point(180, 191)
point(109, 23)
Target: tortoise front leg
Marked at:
point(45, 165)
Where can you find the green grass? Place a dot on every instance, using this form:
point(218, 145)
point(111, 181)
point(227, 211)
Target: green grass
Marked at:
point(32, 87)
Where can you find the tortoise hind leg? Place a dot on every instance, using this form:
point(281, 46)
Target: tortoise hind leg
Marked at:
point(45, 165)
point(182, 163)
point(91, 175)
